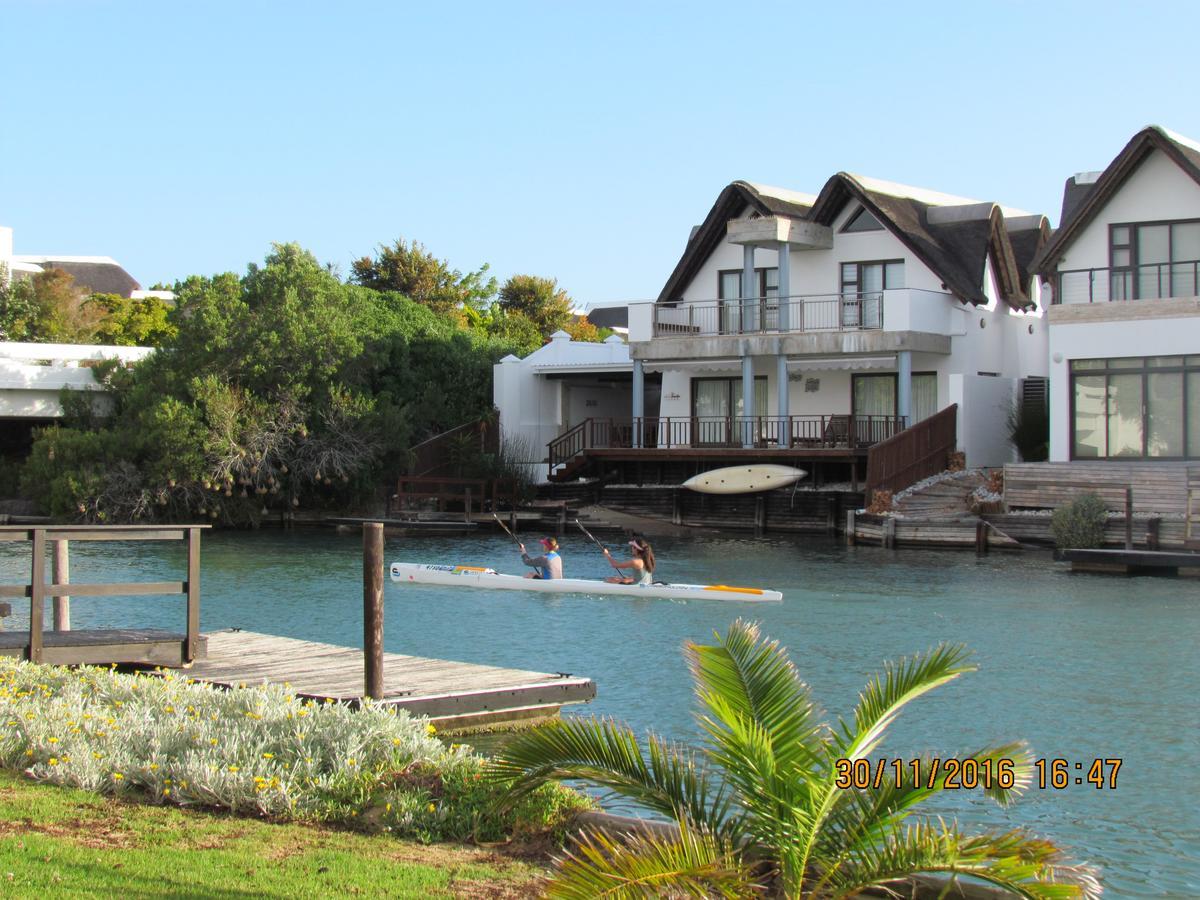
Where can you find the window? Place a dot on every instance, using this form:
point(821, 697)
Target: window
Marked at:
point(878, 395)
point(735, 318)
point(1154, 259)
point(862, 287)
point(862, 221)
point(716, 401)
point(1135, 407)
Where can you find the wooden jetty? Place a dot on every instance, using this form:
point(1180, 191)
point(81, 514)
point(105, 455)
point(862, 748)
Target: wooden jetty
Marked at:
point(455, 693)
point(1133, 562)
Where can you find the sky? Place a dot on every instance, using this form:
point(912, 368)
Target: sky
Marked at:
point(578, 141)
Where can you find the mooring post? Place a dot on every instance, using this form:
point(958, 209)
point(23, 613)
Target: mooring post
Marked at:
point(192, 641)
point(1128, 518)
point(850, 527)
point(512, 519)
point(676, 511)
point(889, 532)
point(1152, 527)
point(37, 593)
point(373, 609)
point(981, 537)
point(760, 515)
point(61, 556)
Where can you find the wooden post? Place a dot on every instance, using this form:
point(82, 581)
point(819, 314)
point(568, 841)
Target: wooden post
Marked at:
point(467, 504)
point(981, 537)
point(373, 609)
point(61, 563)
point(760, 515)
point(1128, 518)
point(676, 508)
point(1152, 526)
point(889, 532)
point(193, 595)
point(37, 593)
point(512, 519)
point(850, 527)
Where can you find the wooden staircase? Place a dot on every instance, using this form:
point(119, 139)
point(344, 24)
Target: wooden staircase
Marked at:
point(945, 499)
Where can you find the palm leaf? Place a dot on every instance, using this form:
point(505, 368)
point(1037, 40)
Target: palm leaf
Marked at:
point(745, 676)
point(674, 782)
point(1024, 865)
point(695, 865)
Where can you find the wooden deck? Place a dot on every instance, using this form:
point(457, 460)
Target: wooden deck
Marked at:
point(147, 646)
point(464, 694)
point(1133, 562)
point(1158, 487)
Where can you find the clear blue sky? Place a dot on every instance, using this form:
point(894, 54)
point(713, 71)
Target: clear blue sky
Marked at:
point(579, 141)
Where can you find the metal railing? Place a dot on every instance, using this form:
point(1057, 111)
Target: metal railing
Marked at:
point(761, 315)
point(1156, 281)
point(837, 430)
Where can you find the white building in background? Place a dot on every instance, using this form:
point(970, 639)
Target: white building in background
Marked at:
point(95, 274)
point(31, 376)
point(1123, 271)
point(874, 300)
point(560, 384)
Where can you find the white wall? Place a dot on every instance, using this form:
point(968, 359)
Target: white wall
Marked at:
point(31, 375)
point(1157, 190)
point(983, 407)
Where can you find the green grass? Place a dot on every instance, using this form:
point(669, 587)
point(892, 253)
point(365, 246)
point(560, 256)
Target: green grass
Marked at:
point(61, 842)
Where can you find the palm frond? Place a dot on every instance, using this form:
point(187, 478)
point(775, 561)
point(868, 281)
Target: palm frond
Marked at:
point(694, 865)
point(674, 783)
point(1024, 865)
point(747, 676)
point(885, 695)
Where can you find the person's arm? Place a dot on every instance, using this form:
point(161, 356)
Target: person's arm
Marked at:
point(536, 561)
point(630, 564)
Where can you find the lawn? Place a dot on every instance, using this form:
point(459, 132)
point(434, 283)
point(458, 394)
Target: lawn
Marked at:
point(57, 841)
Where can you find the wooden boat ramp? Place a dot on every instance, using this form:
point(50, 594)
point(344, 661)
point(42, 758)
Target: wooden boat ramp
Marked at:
point(459, 695)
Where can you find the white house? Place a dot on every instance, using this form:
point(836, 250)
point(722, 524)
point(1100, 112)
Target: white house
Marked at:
point(871, 304)
point(97, 274)
point(1123, 271)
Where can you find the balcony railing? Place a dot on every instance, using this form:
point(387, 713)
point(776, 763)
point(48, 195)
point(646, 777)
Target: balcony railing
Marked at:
point(760, 432)
point(770, 315)
point(1156, 281)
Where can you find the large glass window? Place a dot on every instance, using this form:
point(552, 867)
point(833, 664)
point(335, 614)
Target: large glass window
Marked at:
point(1135, 407)
point(736, 317)
point(1154, 259)
point(717, 402)
point(877, 395)
point(862, 287)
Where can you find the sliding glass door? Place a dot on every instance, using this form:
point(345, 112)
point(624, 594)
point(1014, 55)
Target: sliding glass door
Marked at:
point(717, 402)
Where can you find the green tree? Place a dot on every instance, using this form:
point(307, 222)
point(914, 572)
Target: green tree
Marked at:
point(18, 309)
point(759, 807)
point(133, 323)
point(62, 313)
point(540, 300)
point(409, 269)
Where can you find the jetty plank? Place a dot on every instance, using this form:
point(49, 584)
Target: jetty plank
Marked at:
point(441, 689)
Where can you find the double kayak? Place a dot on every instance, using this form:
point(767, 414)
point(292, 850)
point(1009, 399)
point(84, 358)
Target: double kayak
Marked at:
point(480, 577)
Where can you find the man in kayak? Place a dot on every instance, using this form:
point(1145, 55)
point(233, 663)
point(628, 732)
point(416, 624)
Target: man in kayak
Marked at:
point(642, 564)
point(548, 565)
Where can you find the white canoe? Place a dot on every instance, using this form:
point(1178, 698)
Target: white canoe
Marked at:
point(744, 479)
point(479, 577)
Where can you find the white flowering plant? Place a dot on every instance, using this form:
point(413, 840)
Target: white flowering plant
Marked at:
point(259, 750)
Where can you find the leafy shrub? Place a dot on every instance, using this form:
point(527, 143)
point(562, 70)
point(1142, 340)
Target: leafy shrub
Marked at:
point(258, 750)
point(1080, 524)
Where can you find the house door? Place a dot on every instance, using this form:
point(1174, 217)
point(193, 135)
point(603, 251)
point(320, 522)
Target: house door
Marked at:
point(716, 402)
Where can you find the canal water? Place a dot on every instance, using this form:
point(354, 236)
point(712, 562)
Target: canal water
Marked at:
point(1080, 666)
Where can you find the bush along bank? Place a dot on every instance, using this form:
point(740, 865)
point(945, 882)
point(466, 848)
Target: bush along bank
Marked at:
point(259, 751)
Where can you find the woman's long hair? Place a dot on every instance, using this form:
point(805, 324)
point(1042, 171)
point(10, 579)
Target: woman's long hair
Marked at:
point(642, 548)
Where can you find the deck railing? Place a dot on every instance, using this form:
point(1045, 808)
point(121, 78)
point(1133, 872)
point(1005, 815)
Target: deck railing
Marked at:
point(771, 315)
point(759, 432)
point(38, 589)
point(1155, 281)
point(442, 453)
point(914, 453)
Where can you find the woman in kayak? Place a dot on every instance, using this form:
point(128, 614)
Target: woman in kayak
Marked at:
point(642, 564)
point(548, 565)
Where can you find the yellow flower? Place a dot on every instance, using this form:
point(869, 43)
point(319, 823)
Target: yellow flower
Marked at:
point(233, 769)
point(429, 729)
point(52, 740)
point(432, 808)
point(153, 767)
point(350, 762)
point(395, 742)
point(166, 792)
point(213, 741)
point(53, 761)
point(268, 756)
point(117, 776)
point(97, 756)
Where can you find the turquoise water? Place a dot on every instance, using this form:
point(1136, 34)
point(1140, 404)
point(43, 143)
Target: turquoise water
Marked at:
point(1081, 666)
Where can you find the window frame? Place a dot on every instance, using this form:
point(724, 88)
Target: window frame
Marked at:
point(760, 283)
point(855, 216)
point(895, 376)
point(1132, 283)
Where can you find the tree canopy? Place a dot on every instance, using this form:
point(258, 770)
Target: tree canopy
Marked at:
point(409, 269)
point(540, 300)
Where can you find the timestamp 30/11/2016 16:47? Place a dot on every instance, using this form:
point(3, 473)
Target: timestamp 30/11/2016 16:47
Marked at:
point(969, 774)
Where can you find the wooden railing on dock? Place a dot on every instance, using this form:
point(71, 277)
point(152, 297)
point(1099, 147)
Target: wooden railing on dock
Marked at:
point(38, 589)
point(470, 492)
point(913, 454)
point(437, 455)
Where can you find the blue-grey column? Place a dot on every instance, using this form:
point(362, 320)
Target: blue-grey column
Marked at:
point(639, 401)
point(781, 374)
point(747, 400)
point(749, 288)
point(904, 386)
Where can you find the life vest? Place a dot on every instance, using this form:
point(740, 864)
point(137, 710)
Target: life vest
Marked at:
point(554, 569)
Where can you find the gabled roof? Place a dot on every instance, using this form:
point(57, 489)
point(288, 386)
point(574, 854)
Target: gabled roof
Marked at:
point(954, 242)
point(705, 238)
point(1083, 202)
point(1027, 234)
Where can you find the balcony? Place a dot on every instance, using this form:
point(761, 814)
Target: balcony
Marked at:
point(1157, 281)
point(770, 315)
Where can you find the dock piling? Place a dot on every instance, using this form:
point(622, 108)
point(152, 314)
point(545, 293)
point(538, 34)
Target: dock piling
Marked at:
point(1128, 518)
point(61, 555)
point(373, 609)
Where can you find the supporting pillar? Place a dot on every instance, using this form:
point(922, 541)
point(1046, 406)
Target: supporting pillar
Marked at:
point(785, 287)
point(373, 610)
point(781, 376)
point(639, 401)
point(784, 318)
point(749, 289)
point(747, 401)
point(61, 561)
point(904, 386)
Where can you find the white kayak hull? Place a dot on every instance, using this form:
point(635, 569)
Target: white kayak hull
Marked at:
point(479, 577)
point(744, 479)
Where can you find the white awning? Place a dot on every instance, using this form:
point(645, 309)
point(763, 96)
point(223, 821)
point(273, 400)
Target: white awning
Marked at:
point(841, 363)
